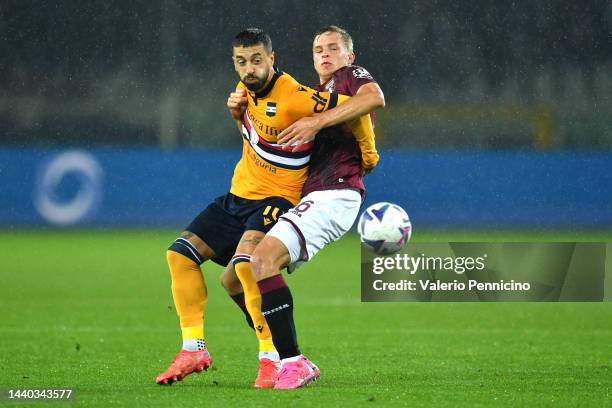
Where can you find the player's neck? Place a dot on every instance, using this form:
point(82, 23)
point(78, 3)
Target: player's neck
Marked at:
point(266, 87)
point(267, 84)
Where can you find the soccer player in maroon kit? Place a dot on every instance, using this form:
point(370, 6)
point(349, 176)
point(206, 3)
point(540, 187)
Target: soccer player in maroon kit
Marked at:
point(331, 197)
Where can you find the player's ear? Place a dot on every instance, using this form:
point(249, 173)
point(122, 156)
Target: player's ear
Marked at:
point(272, 57)
point(351, 58)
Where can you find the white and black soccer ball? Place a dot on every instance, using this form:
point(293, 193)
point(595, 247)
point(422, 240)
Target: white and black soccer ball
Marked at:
point(384, 228)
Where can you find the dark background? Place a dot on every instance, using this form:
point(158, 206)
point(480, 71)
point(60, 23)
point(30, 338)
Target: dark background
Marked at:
point(488, 74)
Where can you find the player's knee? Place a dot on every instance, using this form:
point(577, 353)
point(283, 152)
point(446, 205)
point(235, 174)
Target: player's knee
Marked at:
point(263, 265)
point(185, 248)
point(257, 265)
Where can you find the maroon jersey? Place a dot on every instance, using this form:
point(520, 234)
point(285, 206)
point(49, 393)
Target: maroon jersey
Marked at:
point(335, 160)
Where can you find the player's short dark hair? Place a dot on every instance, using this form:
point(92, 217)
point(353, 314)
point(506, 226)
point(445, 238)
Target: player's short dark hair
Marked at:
point(251, 37)
point(346, 37)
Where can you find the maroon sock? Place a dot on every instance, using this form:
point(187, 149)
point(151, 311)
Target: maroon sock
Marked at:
point(277, 308)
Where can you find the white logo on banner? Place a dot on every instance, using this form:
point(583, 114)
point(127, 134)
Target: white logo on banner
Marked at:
point(86, 169)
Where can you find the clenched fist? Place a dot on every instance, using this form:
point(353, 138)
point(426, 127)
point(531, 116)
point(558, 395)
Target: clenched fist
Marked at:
point(237, 103)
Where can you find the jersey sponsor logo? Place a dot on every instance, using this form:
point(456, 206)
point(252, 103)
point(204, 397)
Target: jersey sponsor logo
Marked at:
point(320, 103)
point(272, 154)
point(271, 109)
point(330, 86)
point(361, 73)
point(260, 328)
point(268, 130)
point(263, 164)
point(302, 89)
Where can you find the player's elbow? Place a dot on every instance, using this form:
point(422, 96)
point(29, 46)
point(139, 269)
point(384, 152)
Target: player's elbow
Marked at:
point(378, 99)
point(373, 95)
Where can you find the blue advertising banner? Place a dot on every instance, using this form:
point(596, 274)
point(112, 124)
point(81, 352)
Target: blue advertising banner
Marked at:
point(152, 187)
point(110, 187)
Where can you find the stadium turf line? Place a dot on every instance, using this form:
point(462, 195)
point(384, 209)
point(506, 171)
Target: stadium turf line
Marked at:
point(92, 310)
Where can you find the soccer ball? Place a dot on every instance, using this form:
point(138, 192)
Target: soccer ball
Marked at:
point(384, 228)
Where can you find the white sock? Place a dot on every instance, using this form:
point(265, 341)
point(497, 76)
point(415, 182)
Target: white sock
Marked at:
point(194, 344)
point(270, 355)
point(291, 359)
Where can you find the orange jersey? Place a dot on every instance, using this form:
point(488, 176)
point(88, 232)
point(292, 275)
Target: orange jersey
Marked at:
point(265, 170)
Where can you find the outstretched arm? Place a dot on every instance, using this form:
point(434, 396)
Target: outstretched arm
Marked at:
point(368, 97)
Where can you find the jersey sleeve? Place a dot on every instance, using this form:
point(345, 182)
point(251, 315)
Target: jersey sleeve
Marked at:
point(306, 101)
point(355, 77)
point(364, 134)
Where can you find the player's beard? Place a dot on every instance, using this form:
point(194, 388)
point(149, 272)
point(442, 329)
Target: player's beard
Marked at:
point(257, 85)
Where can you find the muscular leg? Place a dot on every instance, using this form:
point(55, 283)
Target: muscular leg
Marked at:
point(189, 291)
point(232, 285)
point(252, 298)
point(190, 295)
point(276, 300)
point(250, 303)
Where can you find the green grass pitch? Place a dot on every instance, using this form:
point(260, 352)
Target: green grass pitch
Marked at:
point(92, 310)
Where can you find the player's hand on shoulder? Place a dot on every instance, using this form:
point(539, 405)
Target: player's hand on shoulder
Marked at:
point(301, 131)
point(237, 103)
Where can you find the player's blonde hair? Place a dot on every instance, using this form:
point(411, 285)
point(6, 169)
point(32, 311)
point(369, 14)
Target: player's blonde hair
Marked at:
point(346, 37)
